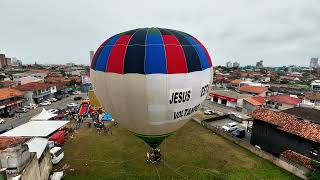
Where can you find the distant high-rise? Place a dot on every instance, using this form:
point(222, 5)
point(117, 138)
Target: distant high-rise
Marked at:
point(236, 64)
point(229, 64)
point(259, 64)
point(91, 55)
point(314, 62)
point(2, 60)
point(8, 61)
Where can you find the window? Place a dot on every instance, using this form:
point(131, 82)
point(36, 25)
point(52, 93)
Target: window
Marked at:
point(314, 152)
point(58, 152)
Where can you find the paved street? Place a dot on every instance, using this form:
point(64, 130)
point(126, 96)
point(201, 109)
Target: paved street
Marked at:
point(24, 117)
point(221, 108)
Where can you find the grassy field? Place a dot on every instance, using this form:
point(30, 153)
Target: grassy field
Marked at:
point(193, 152)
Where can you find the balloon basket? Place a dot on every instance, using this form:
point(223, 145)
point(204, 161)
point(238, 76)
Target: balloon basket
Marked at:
point(154, 155)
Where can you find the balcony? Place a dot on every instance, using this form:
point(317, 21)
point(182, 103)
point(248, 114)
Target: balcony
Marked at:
point(39, 95)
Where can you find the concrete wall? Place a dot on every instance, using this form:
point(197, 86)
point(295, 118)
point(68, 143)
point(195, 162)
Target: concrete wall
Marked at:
point(231, 104)
point(45, 165)
point(28, 97)
point(278, 162)
point(282, 107)
point(31, 171)
point(247, 107)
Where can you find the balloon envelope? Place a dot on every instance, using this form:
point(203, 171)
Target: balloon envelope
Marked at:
point(151, 80)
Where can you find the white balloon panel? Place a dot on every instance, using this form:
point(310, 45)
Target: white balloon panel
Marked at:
point(153, 104)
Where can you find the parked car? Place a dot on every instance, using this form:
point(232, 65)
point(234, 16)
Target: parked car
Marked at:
point(22, 110)
point(230, 127)
point(239, 133)
point(53, 111)
point(9, 114)
point(59, 97)
point(45, 103)
point(78, 98)
point(52, 99)
point(2, 121)
point(72, 105)
point(76, 92)
point(31, 106)
point(57, 175)
point(57, 155)
point(208, 112)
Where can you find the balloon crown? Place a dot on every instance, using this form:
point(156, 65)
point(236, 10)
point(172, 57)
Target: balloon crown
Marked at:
point(151, 51)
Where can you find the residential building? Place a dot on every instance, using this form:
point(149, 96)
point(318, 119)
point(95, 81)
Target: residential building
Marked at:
point(277, 132)
point(308, 114)
point(25, 158)
point(235, 83)
point(7, 84)
point(252, 103)
point(312, 97)
point(264, 79)
point(10, 100)
point(26, 80)
point(36, 92)
point(254, 90)
point(228, 98)
point(315, 85)
point(282, 102)
point(314, 62)
point(86, 83)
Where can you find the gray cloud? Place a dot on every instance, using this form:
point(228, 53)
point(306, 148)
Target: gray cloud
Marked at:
point(279, 32)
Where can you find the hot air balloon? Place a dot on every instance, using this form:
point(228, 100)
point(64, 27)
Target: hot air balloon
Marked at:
point(151, 80)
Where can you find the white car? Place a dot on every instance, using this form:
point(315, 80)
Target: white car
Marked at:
point(72, 105)
point(230, 127)
point(52, 99)
point(208, 112)
point(45, 103)
point(57, 155)
point(2, 121)
point(52, 111)
point(31, 106)
point(76, 93)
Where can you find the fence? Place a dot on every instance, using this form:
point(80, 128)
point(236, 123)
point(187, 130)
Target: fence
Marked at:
point(279, 162)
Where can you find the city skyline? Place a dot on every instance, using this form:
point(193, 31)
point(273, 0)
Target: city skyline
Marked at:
point(245, 32)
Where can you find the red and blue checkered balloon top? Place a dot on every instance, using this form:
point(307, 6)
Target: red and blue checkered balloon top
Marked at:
point(151, 51)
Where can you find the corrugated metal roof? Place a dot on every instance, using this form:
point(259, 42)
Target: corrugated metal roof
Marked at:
point(36, 129)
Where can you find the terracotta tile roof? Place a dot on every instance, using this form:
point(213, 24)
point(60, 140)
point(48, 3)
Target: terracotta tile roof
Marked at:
point(7, 83)
point(6, 93)
point(312, 96)
point(297, 158)
point(305, 113)
point(236, 81)
point(253, 89)
point(34, 86)
point(256, 100)
point(285, 99)
point(6, 142)
point(288, 123)
point(40, 71)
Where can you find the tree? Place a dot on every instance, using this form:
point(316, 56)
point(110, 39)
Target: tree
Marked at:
point(72, 82)
point(63, 73)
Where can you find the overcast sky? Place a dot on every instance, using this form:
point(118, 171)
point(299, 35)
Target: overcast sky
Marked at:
point(280, 32)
